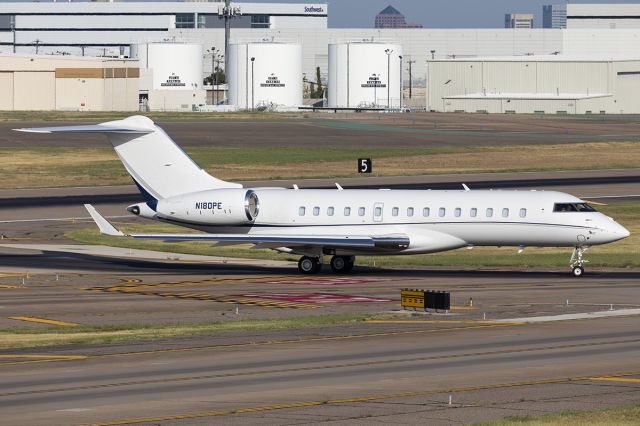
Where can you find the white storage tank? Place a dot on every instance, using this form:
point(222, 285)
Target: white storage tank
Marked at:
point(364, 74)
point(265, 74)
point(176, 66)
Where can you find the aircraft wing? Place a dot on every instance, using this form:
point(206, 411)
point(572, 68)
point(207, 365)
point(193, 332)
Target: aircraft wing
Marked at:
point(396, 241)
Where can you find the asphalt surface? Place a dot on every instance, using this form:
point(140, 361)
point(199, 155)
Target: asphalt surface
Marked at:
point(370, 130)
point(399, 371)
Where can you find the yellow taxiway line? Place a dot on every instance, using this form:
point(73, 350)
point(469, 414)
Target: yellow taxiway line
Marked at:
point(45, 321)
point(617, 379)
point(60, 357)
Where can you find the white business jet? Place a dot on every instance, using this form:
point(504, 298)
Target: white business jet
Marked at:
point(315, 223)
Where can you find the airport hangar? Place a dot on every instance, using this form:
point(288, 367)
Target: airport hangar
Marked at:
point(117, 29)
point(551, 84)
point(45, 82)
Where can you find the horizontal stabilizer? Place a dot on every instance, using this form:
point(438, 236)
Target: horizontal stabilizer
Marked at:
point(90, 128)
point(104, 225)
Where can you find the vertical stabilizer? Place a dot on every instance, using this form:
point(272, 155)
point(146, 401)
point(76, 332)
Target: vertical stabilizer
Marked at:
point(160, 168)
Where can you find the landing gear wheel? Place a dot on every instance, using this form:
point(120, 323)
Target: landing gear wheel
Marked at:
point(577, 261)
point(577, 271)
point(309, 265)
point(341, 264)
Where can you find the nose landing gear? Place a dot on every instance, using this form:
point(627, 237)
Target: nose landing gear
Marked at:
point(577, 261)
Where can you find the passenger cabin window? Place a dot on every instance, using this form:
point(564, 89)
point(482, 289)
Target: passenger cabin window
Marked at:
point(395, 211)
point(426, 212)
point(347, 211)
point(523, 212)
point(361, 211)
point(505, 212)
point(489, 212)
point(410, 211)
point(378, 211)
point(316, 211)
point(302, 211)
point(473, 212)
point(330, 211)
point(441, 211)
point(457, 212)
point(572, 207)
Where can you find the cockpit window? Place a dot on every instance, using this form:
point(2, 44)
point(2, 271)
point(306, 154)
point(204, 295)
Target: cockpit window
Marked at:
point(572, 207)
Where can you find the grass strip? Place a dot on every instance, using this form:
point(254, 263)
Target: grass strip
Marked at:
point(33, 167)
point(621, 254)
point(31, 337)
point(620, 416)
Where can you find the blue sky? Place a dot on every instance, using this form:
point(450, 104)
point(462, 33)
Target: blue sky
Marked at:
point(435, 13)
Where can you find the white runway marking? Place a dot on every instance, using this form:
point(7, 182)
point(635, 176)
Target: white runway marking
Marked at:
point(60, 219)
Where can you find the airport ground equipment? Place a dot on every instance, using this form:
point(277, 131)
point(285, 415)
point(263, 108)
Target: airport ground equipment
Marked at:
point(425, 299)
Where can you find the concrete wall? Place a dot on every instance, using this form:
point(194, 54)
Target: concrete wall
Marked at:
point(176, 100)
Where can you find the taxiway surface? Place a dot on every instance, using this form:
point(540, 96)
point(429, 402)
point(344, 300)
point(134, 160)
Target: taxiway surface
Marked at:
point(401, 369)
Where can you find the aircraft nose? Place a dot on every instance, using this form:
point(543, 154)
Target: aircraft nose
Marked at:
point(618, 231)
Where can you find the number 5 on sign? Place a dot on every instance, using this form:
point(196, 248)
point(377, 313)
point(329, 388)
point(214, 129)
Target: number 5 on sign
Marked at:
point(365, 165)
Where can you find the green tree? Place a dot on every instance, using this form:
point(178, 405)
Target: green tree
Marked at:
point(319, 93)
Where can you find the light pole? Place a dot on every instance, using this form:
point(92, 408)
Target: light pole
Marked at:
point(410, 77)
point(213, 70)
point(220, 56)
point(433, 54)
point(376, 81)
point(252, 85)
point(401, 82)
point(388, 52)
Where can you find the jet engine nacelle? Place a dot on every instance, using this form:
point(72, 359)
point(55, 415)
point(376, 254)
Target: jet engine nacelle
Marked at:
point(212, 207)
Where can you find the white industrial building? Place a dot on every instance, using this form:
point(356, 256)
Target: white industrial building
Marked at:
point(115, 28)
point(603, 16)
point(552, 84)
point(110, 28)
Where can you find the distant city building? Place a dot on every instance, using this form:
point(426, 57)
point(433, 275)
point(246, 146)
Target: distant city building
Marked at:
point(554, 16)
point(518, 20)
point(390, 17)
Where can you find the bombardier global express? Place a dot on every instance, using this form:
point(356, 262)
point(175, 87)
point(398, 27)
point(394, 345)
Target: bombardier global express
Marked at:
point(315, 223)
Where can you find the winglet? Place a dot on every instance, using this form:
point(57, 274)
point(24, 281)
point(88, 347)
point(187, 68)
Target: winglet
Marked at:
point(466, 188)
point(104, 225)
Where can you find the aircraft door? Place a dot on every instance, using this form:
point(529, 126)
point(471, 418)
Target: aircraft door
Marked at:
point(378, 209)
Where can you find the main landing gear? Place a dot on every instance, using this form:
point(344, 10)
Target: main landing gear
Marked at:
point(342, 264)
point(339, 264)
point(577, 261)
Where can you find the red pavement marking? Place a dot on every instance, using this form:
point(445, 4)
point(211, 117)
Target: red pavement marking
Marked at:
point(325, 281)
point(316, 297)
